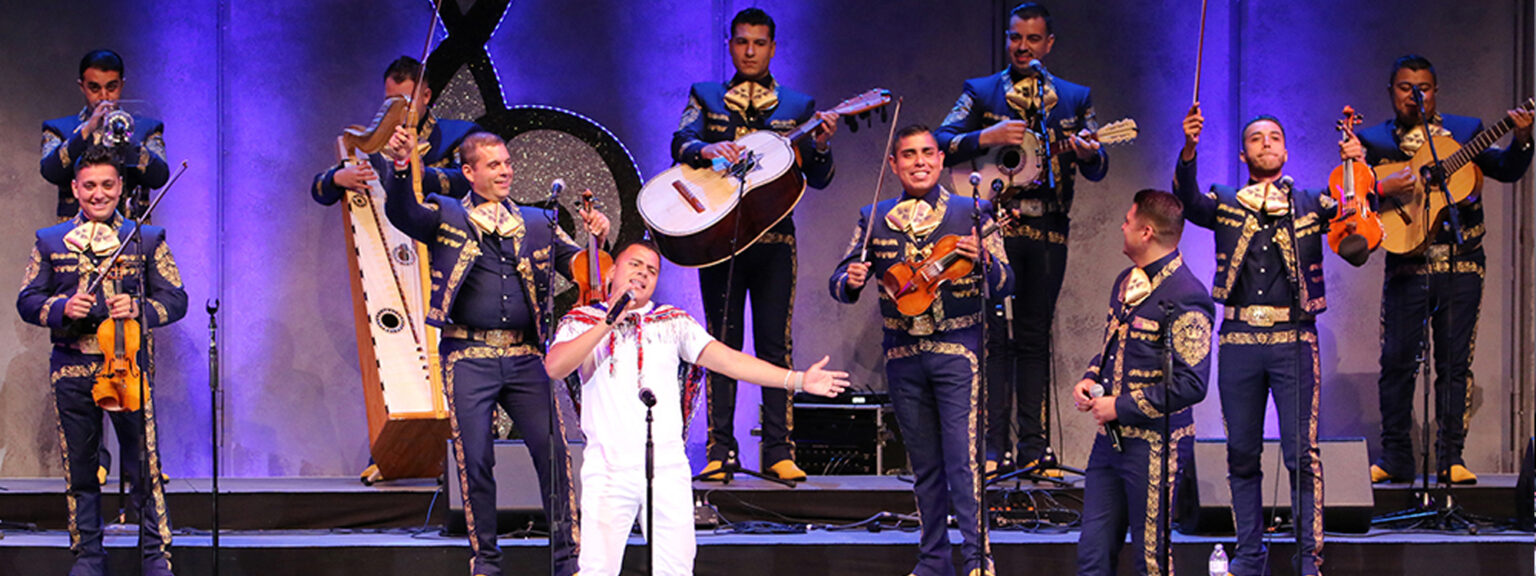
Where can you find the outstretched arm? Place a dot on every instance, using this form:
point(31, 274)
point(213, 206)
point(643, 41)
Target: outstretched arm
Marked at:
point(721, 358)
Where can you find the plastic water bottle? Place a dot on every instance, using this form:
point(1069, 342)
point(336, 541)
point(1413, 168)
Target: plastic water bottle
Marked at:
point(1218, 563)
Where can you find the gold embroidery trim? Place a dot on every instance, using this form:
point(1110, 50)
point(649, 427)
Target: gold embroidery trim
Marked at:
point(1192, 337)
point(165, 264)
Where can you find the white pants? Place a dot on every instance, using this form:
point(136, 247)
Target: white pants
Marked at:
point(610, 501)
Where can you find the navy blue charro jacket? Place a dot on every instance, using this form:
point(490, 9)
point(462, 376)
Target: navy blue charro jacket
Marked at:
point(1130, 364)
point(453, 243)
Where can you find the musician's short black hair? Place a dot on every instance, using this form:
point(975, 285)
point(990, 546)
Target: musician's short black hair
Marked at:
point(101, 60)
point(641, 242)
point(912, 130)
point(404, 68)
point(1032, 10)
point(1412, 62)
point(1256, 119)
point(1164, 212)
point(97, 156)
point(753, 16)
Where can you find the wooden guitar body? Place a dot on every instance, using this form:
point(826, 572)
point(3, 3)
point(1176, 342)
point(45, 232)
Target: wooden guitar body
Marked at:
point(1409, 222)
point(696, 212)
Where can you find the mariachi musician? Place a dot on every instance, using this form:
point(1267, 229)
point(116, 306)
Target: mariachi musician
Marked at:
point(1416, 284)
point(1005, 109)
point(64, 261)
point(442, 137)
point(717, 113)
point(137, 142)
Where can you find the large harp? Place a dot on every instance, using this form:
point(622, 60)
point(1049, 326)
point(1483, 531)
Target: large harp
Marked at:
point(396, 350)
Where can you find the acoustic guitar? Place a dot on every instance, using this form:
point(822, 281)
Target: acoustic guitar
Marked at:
point(1411, 220)
point(698, 214)
point(1021, 167)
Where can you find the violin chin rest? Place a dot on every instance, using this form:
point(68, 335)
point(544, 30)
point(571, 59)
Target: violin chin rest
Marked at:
point(1354, 250)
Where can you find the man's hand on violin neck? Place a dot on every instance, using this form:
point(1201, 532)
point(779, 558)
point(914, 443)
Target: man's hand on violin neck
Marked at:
point(122, 306)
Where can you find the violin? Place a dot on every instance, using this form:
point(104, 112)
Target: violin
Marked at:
point(117, 384)
point(913, 286)
point(588, 265)
point(1356, 231)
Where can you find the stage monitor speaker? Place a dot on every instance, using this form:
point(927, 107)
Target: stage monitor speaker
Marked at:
point(1348, 500)
point(518, 498)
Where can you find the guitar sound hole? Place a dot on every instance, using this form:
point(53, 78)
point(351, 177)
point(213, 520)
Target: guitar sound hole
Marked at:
point(390, 320)
point(1010, 160)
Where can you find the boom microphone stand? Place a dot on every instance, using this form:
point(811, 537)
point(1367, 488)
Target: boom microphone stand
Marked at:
point(732, 465)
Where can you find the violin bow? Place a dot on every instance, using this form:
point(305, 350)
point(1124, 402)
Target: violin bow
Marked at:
point(1200, 51)
point(112, 259)
point(413, 112)
point(880, 180)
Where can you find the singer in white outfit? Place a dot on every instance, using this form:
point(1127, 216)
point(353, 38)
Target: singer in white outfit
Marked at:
point(640, 346)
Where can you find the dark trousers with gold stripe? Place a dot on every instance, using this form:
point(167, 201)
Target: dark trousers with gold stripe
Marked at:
point(1451, 302)
point(480, 377)
point(767, 272)
point(1121, 494)
point(1020, 372)
point(934, 388)
point(80, 437)
point(1254, 364)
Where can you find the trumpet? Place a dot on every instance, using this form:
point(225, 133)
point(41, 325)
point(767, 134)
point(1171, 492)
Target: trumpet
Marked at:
point(118, 126)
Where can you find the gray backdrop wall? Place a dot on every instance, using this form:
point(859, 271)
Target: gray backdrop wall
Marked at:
point(253, 93)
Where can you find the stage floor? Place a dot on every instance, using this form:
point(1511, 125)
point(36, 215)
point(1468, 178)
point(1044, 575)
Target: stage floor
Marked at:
point(339, 526)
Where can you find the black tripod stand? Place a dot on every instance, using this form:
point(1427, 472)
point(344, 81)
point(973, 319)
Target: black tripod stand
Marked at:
point(731, 466)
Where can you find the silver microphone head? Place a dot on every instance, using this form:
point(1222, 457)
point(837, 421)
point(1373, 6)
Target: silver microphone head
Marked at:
point(1097, 391)
point(1287, 181)
point(975, 179)
point(1037, 66)
point(556, 187)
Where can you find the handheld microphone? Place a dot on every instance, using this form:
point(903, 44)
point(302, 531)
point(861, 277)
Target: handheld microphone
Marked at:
point(556, 187)
point(647, 397)
point(1112, 427)
point(975, 179)
point(618, 307)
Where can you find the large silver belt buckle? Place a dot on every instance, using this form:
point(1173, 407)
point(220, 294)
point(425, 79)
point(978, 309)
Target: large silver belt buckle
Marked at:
point(922, 325)
point(1261, 316)
point(500, 338)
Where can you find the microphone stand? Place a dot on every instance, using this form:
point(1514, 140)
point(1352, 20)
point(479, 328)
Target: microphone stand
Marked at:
point(1165, 525)
point(214, 416)
point(1294, 277)
point(1048, 461)
point(978, 482)
point(732, 464)
point(650, 479)
point(557, 510)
